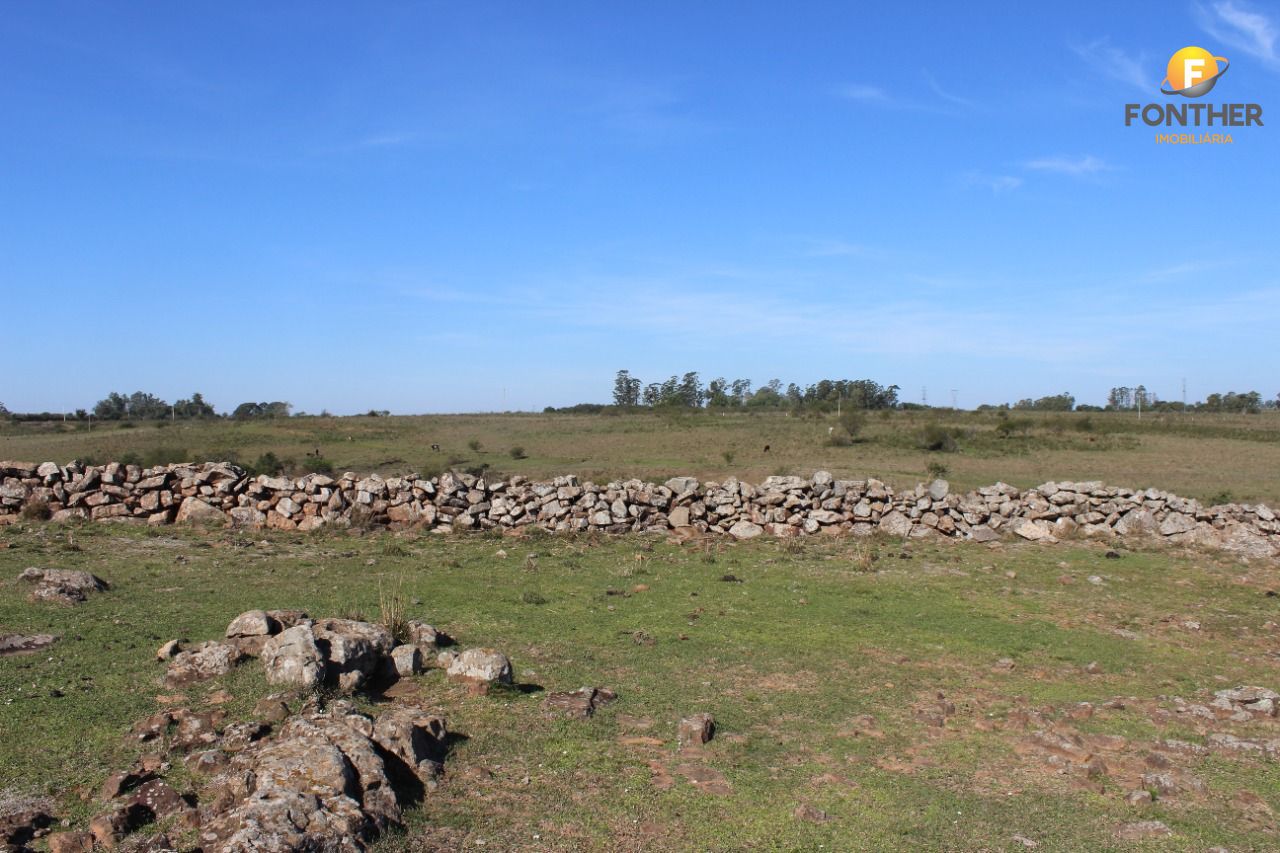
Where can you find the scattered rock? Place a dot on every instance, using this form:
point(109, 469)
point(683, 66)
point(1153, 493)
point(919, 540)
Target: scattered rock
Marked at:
point(483, 666)
point(271, 709)
point(203, 661)
point(418, 740)
point(71, 842)
point(322, 784)
point(581, 703)
point(21, 818)
point(254, 623)
point(1142, 830)
point(811, 813)
point(63, 586)
point(695, 729)
point(16, 644)
point(406, 660)
point(293, 658)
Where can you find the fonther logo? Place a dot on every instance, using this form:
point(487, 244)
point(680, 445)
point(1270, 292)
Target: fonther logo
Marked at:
point(1193, 72)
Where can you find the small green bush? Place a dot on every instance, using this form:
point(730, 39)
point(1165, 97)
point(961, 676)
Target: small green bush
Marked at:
point(268, 464)
point(475, 445)
point(853, 421)
point(517, 452)
point(937, 471)
point(727, 456)
point(937, 438)
point(320, 466)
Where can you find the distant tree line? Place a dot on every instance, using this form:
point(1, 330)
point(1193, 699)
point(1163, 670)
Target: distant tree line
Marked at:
point(688, 391)
point(1126, 399)
point(141, 406)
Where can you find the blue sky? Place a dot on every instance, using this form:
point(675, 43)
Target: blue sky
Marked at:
point(415, 206)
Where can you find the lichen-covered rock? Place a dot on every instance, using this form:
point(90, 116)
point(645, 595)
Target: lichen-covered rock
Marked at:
point(203, 661)
point(64, 586)
point(404, 661)
point(579, 704)
point(355, 650)
point(253, 623)
point(416, 739)
point(321, 785)
point(293, 658)
point(196, 511)
point(695, 729)
point(485, 666)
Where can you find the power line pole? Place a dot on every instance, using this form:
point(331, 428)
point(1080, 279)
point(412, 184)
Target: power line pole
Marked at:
point(954, 392)
point(924, 396)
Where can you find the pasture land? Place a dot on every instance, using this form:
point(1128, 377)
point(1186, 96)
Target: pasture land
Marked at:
point(869, 694)
point(1209, 457)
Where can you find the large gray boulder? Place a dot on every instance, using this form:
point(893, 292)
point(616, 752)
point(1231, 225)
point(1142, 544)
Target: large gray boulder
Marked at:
point(355, 650)
point(201, 662)
point(64, 586)
point(293, 658)
point(482, 665)
point(196, 511)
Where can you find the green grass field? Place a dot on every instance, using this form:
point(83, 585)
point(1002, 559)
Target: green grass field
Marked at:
point(822, 662)
point(1208, 457)
point(857, 684)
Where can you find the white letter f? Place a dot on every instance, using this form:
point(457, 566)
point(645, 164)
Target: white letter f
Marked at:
point(1191, 71)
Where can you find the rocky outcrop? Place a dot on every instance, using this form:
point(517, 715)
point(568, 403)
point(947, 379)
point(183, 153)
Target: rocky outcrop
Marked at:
point(221, 493)
point(328, 779)
point(64, 586)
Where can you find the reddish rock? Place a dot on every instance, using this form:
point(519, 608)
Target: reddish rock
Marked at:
point(696, 729)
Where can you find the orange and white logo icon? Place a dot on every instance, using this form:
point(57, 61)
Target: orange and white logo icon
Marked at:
point(1192, 72)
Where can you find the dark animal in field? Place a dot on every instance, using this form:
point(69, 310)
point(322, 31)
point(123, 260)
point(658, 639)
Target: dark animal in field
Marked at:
point(317, 454)
point(766, 448)
point(436, 448)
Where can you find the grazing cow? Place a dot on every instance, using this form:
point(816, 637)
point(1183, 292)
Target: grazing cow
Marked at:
point(436, 448)
point(766, 448)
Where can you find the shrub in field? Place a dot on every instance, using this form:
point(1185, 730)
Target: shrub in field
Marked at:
point(1009, 426)
point(517, 452)
point(36, 511)
point(319, 466)
point(937, 471)
point(475, 445)
point(937, 438)
point(267, 463)
point(165, 456)
point(853, 421)
point(727, 456)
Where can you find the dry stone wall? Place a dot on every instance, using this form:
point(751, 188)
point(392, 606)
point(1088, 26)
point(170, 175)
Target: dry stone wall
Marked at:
point(222, 493)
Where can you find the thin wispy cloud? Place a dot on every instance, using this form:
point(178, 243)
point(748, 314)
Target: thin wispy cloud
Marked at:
point(1076, 167)
point(950, 97)
point(1243, 28)
point(1104, 58)
point(994, 183)
point(675, 306)
point(947, 103)
point(865, 93)
point(389, 140)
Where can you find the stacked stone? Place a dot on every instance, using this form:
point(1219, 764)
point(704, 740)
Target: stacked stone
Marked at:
point(215, 492)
